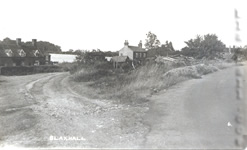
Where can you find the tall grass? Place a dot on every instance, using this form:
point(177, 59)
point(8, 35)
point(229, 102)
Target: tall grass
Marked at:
point(137, 85)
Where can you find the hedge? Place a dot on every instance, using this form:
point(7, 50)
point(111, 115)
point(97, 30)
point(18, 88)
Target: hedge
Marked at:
point(25, 70)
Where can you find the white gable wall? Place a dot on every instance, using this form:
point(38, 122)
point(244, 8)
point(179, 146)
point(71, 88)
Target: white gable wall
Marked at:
point(60, 58)
point(125, 51)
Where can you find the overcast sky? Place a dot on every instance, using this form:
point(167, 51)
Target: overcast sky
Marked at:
point(105, 24)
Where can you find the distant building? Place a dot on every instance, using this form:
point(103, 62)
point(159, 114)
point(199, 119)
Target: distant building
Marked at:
point(133, 52)
point(21, 55)
point(60, 58)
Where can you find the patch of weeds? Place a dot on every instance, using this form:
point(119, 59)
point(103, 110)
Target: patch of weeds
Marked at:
point(135, 86)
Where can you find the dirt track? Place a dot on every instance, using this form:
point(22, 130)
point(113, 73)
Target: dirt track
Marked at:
point(36, 107)
point(193, 114)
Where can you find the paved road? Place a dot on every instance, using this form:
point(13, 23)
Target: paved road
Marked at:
point(195, 114)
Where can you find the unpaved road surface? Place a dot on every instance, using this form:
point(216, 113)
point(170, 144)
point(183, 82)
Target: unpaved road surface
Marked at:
point(194, 114)
point(36, 108)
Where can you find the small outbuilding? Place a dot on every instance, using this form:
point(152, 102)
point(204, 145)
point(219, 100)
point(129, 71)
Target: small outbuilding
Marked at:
point(119, 61)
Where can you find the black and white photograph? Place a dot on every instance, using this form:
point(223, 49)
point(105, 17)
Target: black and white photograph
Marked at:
point(123, 74)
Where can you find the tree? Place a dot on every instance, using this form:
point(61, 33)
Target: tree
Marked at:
point(48, 47)
point(45, 46)
point(8, 41)
point(90, 57)
point(151, 41)
point(207, 46)
point(111, 54)
point(71, 50)
point(169, 46)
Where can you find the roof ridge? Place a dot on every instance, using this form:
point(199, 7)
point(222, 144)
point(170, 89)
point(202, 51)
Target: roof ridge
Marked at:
point(133, 46)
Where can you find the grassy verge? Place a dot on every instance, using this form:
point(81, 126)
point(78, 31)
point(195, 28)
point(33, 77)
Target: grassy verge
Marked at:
point(137, 85)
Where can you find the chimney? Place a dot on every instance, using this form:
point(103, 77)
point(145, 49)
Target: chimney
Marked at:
point(18, 41)
point(140, 44)
point(126, 43)
point(34, 43)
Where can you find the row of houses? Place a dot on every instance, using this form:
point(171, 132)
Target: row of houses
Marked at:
point(22, 55)
point(18, 54)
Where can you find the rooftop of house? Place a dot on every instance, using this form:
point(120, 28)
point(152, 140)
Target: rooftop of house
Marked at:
point(136, 49)
point(119, 58)
point(15, 50)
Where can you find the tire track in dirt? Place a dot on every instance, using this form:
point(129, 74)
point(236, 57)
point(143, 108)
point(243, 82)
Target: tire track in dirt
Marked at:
point(64, 113)
point(33, 92)
point(101, 123)
point(52, 108)
point(19, 123)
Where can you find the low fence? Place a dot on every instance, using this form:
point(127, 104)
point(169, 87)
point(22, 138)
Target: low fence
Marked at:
point(25, 70)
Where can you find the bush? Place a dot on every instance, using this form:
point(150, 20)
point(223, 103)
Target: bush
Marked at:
point(71, 67)
point(191, 71)
point(134, 86)
point(91, 71)
point(90, 74)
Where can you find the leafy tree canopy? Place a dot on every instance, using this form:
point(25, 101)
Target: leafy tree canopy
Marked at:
point(46, 46)
point(208, 46)
point(151, 41)
point(90, 57)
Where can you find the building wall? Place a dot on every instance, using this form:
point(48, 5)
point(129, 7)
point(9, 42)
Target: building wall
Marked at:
point(60, 58)
point(30, 61)
point(140, 55)
point(6, 61)
point(125, 51)
point(21, 61)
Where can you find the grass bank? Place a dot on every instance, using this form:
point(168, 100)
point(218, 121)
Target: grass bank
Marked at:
point(136, 86)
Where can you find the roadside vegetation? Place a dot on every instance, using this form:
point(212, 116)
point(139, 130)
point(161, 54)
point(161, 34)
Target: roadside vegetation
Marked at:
point(27, 70)
point(97, 78)
point(135, 86)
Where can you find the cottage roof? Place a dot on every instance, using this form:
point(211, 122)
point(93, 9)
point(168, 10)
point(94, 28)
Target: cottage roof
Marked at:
point(32, 51)
point(136, 49)
point(6, 49)
point(13, 50)
point(119, 58)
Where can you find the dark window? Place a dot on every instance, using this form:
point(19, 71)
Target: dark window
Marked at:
point(144, 55)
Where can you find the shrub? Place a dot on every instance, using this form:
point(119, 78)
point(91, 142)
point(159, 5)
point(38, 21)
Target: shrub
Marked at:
point(134, 86)
point(90, 74)
point(71, 67)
